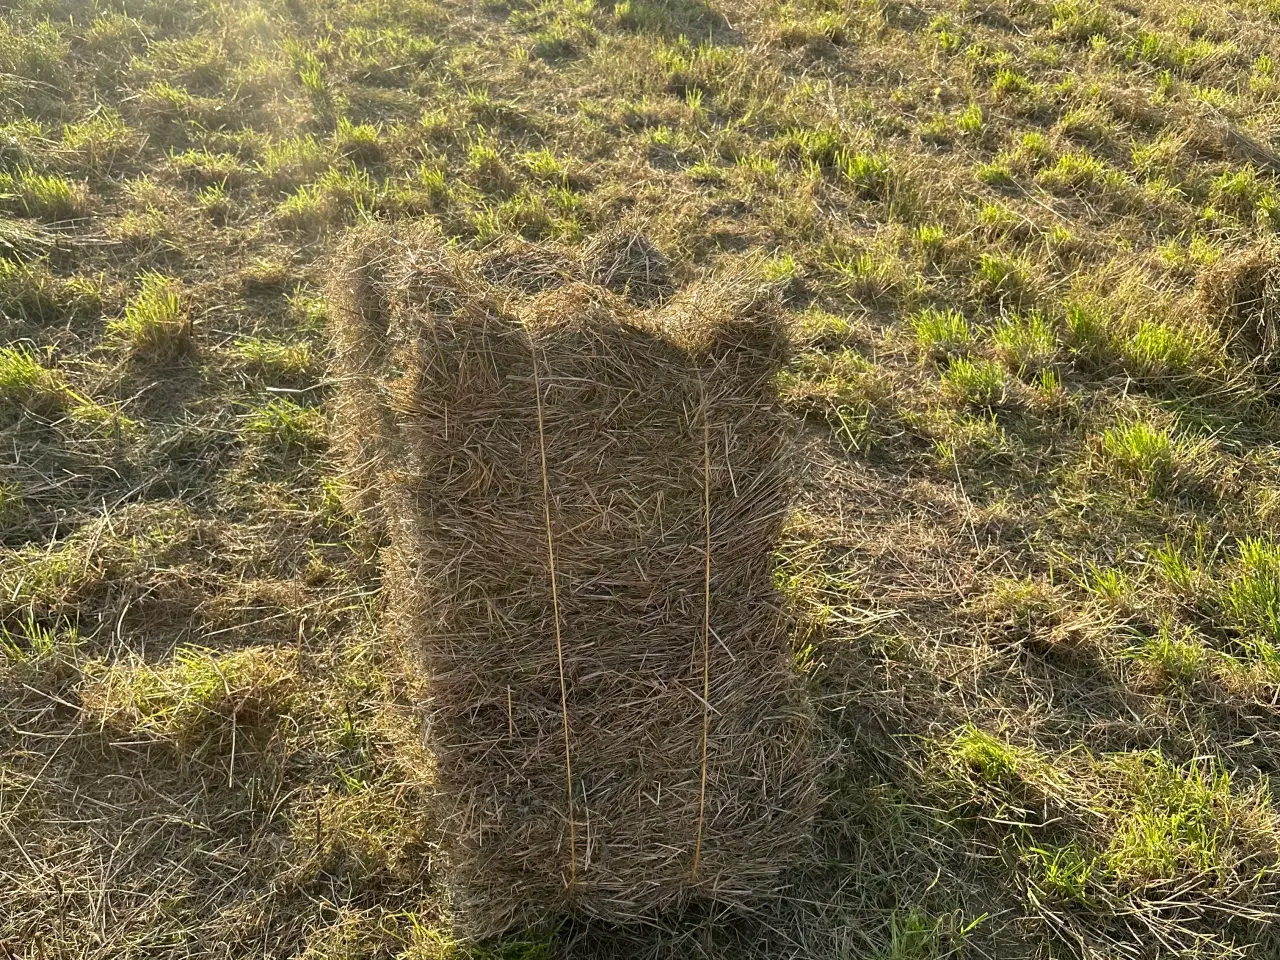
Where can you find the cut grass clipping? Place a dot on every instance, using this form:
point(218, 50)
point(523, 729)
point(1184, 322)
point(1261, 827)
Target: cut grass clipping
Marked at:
point(585, 498)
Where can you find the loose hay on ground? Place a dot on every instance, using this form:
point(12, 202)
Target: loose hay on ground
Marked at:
point(629, 264)
point(582, 500)
point(1242, 293)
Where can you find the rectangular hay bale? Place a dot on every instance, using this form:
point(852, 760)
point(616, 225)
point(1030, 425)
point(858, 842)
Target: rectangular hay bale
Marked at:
point(582, 499)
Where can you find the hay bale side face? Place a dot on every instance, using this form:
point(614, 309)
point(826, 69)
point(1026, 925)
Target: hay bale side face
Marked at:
point(380, 272)
point(633, 408)
point(358, 313)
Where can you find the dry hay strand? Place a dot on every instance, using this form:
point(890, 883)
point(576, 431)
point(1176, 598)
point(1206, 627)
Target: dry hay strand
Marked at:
point(1242, 294)
point(584, 499)
point(629, 264)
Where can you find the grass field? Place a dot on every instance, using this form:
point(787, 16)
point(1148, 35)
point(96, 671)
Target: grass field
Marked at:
point(1031, 252)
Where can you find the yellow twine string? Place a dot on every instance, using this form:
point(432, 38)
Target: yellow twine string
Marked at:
point(706, 626)
point(555, 610)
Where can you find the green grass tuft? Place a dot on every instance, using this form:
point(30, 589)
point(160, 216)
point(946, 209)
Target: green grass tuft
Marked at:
point(987, 757)
point(26, 383)
point(1176, 654)
point(977, 383)
point(1251, 600)
point(156, 326)
point(931, 238)
point(290, 361)
point(1152, 457)
point(870, 174)
point(286, 424)
point(35, 653)
point(1181, 822)
point(358, 142)
point(971, 120)
point(942, 333)
point(1157, 349)
point(1026, 343)
point(1001, 278)
point(45, 196)
point(1063, 873)
point(433, 944)
point(201, 699)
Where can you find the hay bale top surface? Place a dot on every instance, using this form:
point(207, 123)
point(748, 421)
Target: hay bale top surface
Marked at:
point(395, 284)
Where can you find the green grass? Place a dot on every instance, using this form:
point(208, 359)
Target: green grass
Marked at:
point(985, 756)
point(1026, 604)
point(1160, 349)
point(931, 238)
point(915, 935)
point(977, 383)
point(30, 642)
point(285, 424)
point(101, 141)
point(1153, 457)
point(843, 389)
point(1063, 873)
point(1080, 171)
point(26, 383)
point(1180, 823)
point(45, 656)
point(358, 142)
point(942, 333)
point(432, 944)
point(44, 196)
point(971, 120)
point(196, 698)
point(1026, 344)
point(156, 326)
point(1141, 450)
point(275, 359)
point(1032, 563)
point(293, 159)
point(1252, 597)
point(1000, 278)
point(1186, 576)
point(870, 174)
point(1183, 659)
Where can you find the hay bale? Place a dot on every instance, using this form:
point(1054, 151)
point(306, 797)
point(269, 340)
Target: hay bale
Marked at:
point(1241, 293)
point(614, 716)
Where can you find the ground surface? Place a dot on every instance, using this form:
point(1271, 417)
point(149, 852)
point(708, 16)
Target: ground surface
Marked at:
point(1026, 249)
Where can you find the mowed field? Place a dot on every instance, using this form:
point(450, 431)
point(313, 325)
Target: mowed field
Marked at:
point(1029, 254)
